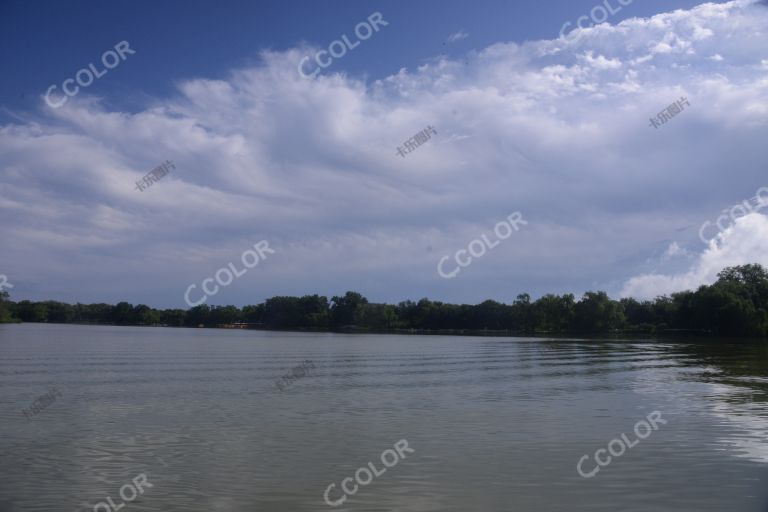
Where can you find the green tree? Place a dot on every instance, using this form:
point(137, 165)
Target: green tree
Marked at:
point(32, 311)
point(224, 315)
point(347, 310)
point(553, 313)
point(315, 311)
point(253, 314)
point(172, 317)
point(144, 315)
point(597, 313)
point(490, 315)
point(378, 316)
point(282, 313)
point(722, 310)
point(522, 313)
point(198, 315)
point(6, 308)
point(122, 314)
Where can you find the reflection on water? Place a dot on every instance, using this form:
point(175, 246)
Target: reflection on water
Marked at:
point(737, 392)
point(497, 424)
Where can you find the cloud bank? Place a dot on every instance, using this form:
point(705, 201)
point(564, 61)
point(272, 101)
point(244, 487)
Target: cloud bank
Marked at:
point(557, 129)
point(744, 242)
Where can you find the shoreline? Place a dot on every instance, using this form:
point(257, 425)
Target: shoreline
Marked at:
point(621, 335)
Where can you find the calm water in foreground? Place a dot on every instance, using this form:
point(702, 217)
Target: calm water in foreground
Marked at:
point(497, 424)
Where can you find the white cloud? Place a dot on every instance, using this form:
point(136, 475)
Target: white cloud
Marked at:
point(457, 36)
point(557, 129)
point(600, 62)
point(744, 242)
point(674, 250)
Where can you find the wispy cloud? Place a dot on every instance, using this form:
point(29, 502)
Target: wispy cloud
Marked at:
point(457, 36)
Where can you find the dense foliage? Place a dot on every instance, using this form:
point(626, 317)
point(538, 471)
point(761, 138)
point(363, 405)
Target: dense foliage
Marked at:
point(735, 305)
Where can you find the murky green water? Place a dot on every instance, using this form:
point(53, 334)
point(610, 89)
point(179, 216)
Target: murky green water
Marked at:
point(496, 424)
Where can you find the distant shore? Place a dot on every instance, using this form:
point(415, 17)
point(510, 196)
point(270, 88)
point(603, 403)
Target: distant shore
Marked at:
point(736, 305)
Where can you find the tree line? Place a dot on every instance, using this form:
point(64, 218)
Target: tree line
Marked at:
point(735, 305)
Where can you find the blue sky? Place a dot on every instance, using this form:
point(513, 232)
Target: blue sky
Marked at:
point(555, 128)
point(43, 41)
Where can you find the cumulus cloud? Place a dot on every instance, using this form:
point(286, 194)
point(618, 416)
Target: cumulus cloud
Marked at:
point(744, 242)
point(674, 250)
point(557, 129)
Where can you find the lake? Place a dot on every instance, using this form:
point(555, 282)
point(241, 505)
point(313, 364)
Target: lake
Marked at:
point(491, 424)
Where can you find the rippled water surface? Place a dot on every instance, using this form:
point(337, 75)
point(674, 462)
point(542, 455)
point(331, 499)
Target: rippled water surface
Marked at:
point(496, 424)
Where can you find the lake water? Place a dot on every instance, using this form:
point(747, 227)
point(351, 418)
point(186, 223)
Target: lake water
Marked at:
point(495, 424)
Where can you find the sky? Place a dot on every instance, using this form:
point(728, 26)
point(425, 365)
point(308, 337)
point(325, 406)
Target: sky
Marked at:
point(527, 114)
